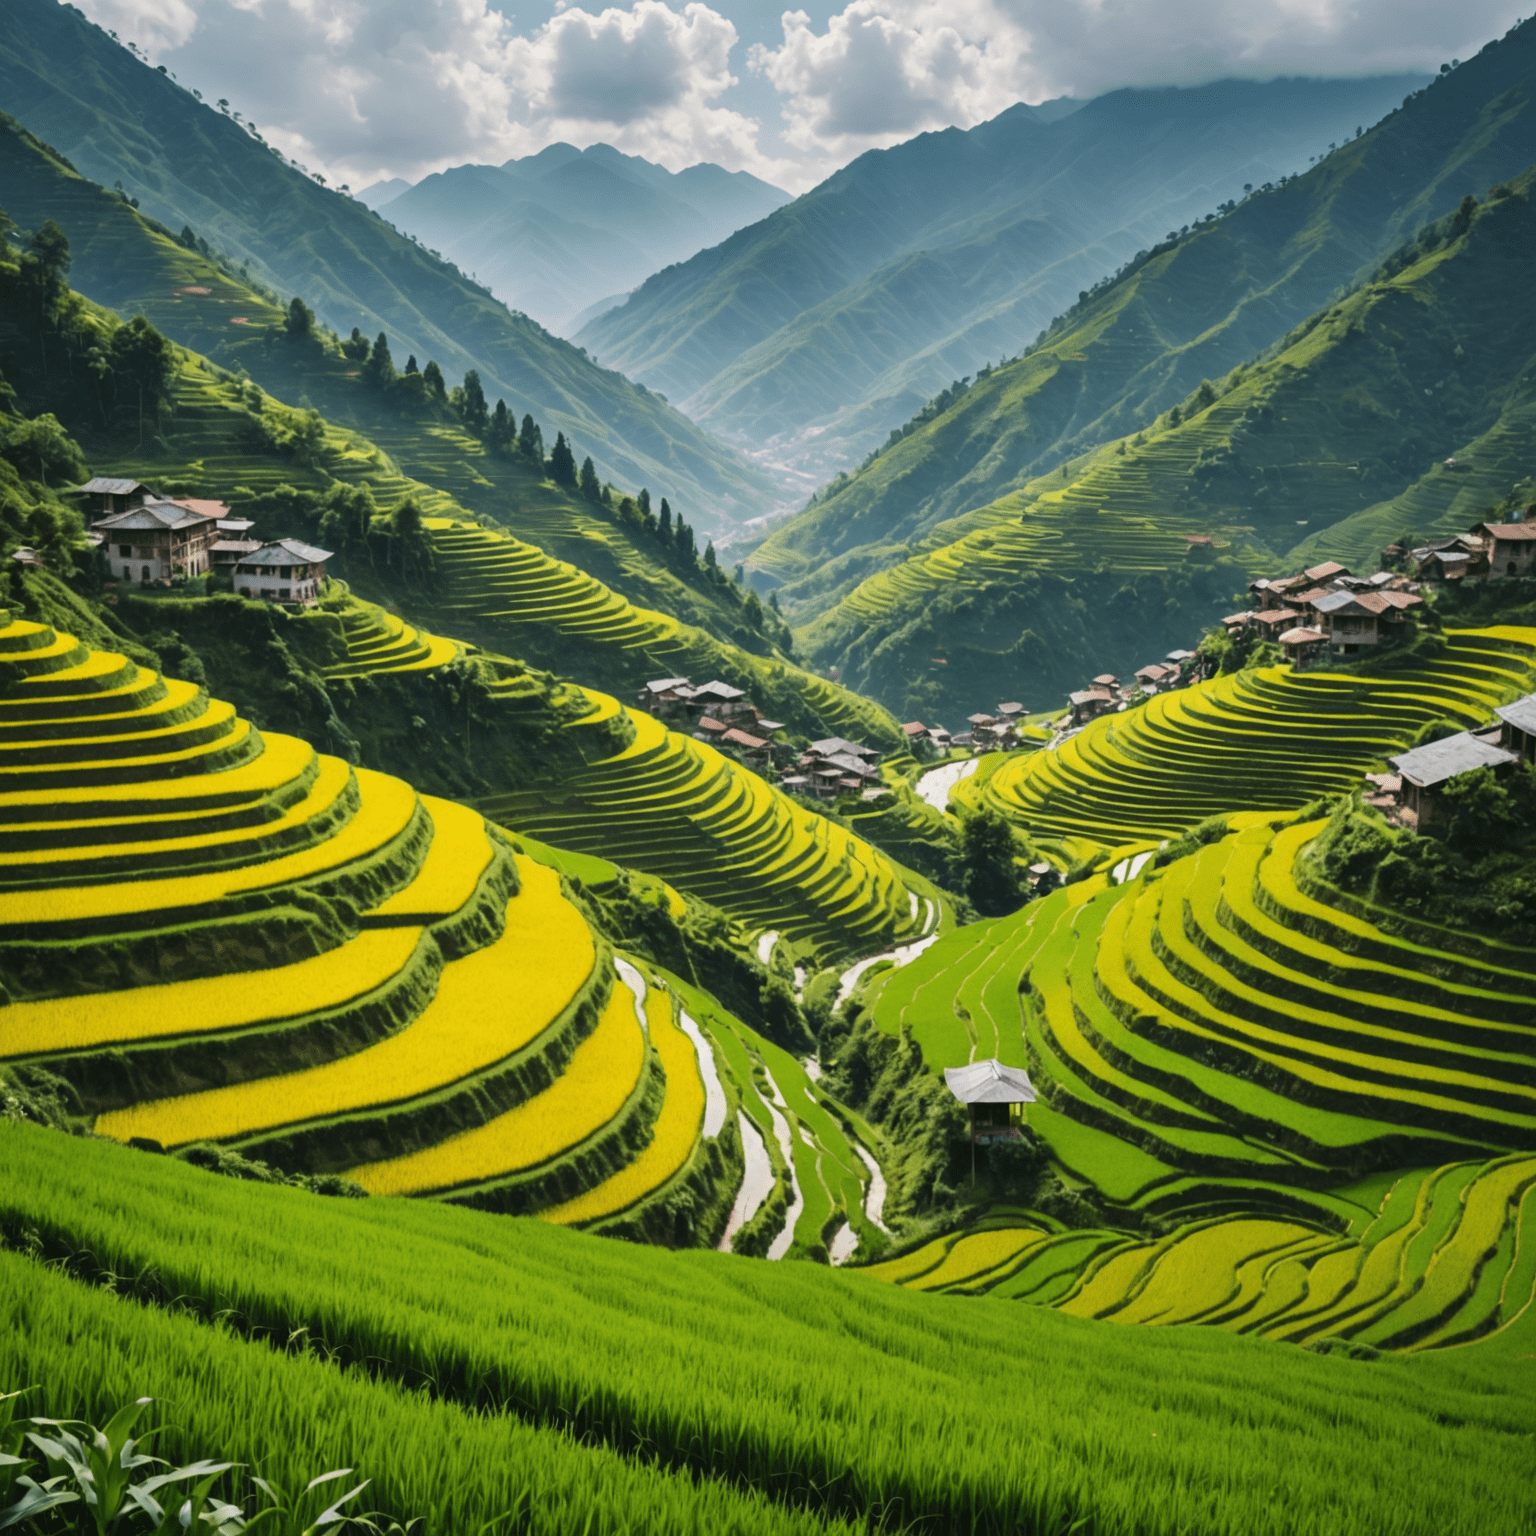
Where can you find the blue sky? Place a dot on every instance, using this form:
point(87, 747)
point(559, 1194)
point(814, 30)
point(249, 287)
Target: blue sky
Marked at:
point(363, 89)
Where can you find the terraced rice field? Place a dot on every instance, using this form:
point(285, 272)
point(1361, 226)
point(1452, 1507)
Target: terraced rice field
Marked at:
point(1265, 741)
point(501, 586)
point(1066, 531)
point(215, 936)
point(677, 808)
point(1447, 1258)
point(379, 642)
point(1232, 1046)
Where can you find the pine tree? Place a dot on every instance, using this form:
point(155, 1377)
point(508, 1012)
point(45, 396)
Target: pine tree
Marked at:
point(666, 522)
point(300, 320)
point(562, 462)
point(432, 377)
point(687, 547)
point(380, 366)
point(591, 487)
point(410, 364)
point(503, 427)
point(645, 504)
point(530, 441)
point(473, 411)
point(710, 562)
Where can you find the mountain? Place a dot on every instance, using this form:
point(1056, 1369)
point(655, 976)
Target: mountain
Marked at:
point(831, 321)
point(1406, 406)
point(119, 121)
point(568, 231)
point(1188, 310)
point(382, 192)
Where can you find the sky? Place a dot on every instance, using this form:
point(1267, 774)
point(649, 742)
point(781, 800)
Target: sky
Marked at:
point(360, 90)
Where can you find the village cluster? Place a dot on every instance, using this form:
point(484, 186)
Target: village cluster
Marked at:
point(151, 540)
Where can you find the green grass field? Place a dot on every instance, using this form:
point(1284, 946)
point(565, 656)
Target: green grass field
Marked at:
point(650, 1391)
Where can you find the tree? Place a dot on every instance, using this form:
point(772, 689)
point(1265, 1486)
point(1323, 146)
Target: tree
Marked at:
point(986, 872)
point(7, 224)
point(503, 428)
point(42, 450)
point(562, 462)
point(432, 377)
point(355, 347)
point(753, 608)
point(142, 364)
point(645, 504)
point(473, 411)
point(348, 514)
point(48, 255)
point(410, 365)
point(530, 441)
point(591, 486)
point(665, 523)
point(687, 546)
point(380, 367)
point(300, 320)
point(710, 563)
point(187, 237)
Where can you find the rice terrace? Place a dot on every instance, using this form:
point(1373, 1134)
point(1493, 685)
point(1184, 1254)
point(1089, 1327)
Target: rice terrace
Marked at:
point(767, 773)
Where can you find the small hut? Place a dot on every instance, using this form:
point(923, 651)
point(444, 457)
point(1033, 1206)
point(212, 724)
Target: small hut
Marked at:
point(987, 1089)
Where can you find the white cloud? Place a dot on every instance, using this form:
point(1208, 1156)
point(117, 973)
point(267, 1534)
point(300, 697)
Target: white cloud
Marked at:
point(882, 70)
point(367, 88)
point(643, 79)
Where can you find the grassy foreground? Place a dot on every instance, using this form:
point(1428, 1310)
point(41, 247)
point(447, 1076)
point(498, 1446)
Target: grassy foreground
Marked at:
point(478, 1367)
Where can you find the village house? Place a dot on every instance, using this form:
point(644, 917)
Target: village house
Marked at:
point(156, 540)
point(1088, 704)
point(665, 697)
point(1157, 677)
point(1426, 771)
point(1302, 645)
point(1517, 733)
point(754, 751)
point(284, 571)
point(1108, 682)
point(1511, 547)
point(108, 495)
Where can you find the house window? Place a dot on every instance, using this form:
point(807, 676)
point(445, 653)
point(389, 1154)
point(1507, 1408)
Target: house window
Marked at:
point(282, 593)
point(126, 551)
point(145, 576)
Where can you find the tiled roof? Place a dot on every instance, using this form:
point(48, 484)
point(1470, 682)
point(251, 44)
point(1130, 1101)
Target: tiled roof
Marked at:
point(288, 552)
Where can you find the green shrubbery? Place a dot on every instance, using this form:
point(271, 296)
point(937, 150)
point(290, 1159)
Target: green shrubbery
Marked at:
point(1474, 867)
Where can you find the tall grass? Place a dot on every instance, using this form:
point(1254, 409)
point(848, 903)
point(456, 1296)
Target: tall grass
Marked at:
point(821, 1390)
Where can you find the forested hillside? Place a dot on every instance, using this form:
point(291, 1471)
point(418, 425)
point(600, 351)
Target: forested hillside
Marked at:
point(187, 164)
point(1188, 310)
point(826, 325)
point(1402, 410)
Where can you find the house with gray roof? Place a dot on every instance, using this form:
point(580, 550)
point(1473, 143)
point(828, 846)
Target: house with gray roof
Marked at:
point(1428, 769)
point(284, 571)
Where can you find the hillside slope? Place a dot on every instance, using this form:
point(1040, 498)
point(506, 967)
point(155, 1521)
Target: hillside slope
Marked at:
point(555, 233)
point(118, 120)
point(1186, 312)
point(828, 323)
point(1415, 390)
point(124, 259)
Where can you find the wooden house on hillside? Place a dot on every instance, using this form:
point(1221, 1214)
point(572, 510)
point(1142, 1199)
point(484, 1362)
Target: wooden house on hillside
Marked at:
point(156, 540)
point(1426, 770)
point(284, 571)
point(1517, 732)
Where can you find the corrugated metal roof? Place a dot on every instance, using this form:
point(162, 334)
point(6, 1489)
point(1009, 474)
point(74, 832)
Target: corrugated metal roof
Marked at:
point(1521, 714)
point(990, 1082)
point(104, 485)
point(288, 552)
point(1449, 759)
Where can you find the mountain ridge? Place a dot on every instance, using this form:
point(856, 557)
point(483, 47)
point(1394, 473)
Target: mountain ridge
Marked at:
point(117, 119)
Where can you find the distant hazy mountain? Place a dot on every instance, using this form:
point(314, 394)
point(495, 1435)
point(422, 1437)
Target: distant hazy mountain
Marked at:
point(1192, 310)
point(120, 121)
point(831, 321)
point(568, 231)
point(382, 191)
